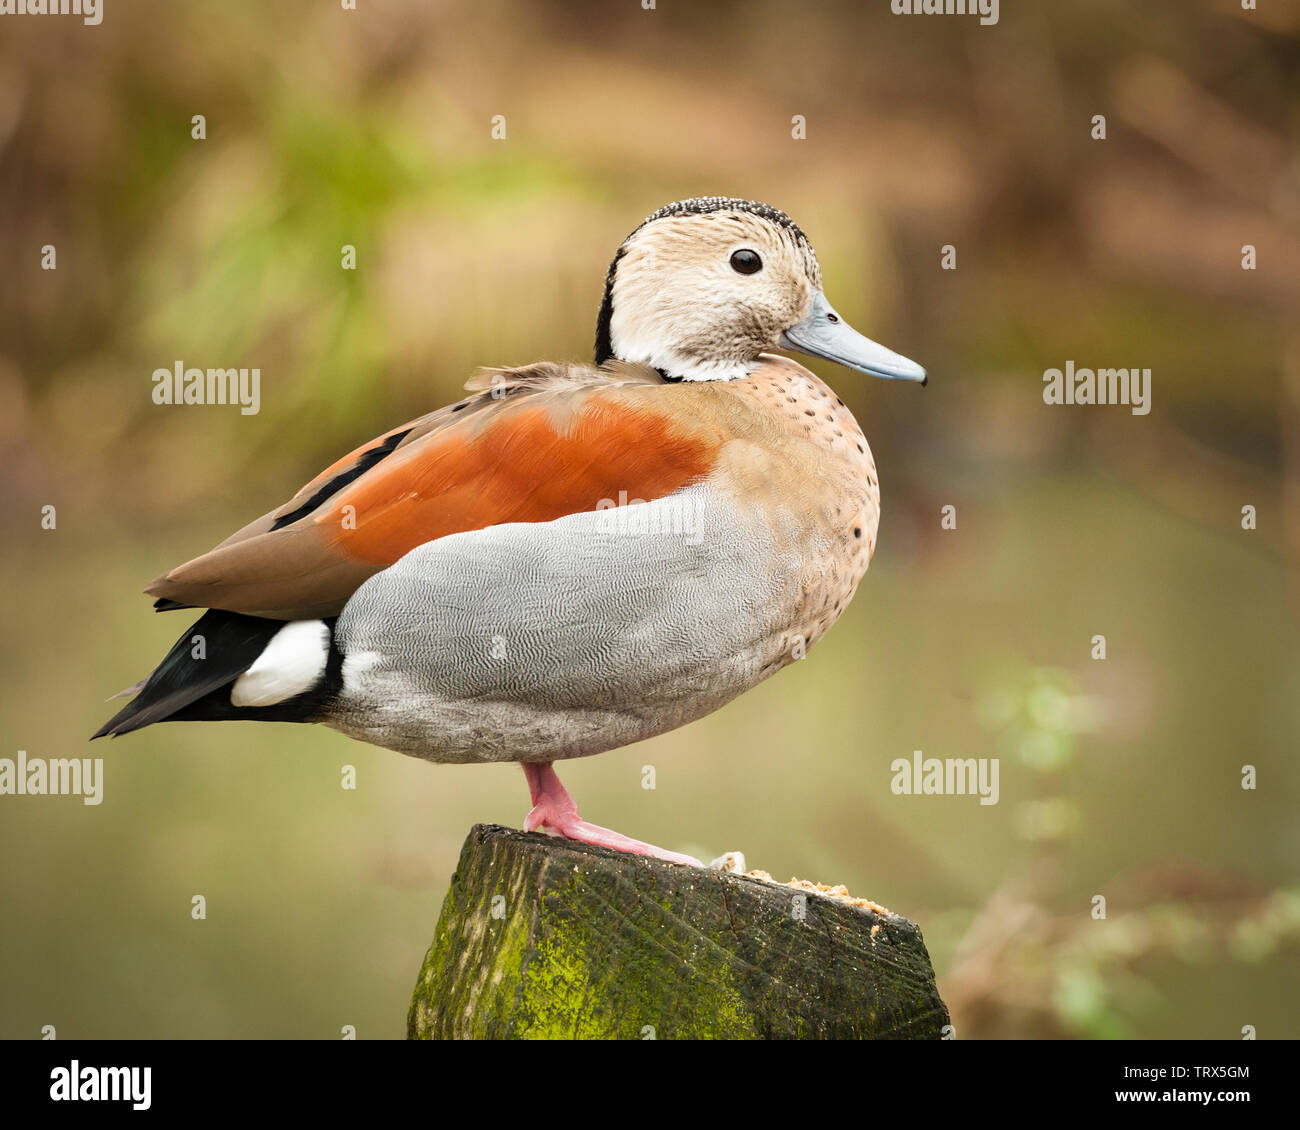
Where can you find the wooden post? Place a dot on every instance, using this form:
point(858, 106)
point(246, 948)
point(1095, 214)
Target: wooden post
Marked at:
point(546, 938)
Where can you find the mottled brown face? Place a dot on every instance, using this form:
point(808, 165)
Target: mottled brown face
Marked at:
point(699, 295)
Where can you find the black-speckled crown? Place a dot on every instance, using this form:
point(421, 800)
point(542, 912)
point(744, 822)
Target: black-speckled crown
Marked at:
point(702, 205)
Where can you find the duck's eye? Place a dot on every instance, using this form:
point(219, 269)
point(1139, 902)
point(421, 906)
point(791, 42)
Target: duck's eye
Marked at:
point(746, 262)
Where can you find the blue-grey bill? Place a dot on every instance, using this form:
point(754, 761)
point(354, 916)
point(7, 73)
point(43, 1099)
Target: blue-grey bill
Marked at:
point(825, 334)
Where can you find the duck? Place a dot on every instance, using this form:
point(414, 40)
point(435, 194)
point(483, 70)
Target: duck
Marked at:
point(574, 557)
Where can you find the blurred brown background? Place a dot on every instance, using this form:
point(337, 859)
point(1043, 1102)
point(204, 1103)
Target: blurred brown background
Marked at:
point(373, 128)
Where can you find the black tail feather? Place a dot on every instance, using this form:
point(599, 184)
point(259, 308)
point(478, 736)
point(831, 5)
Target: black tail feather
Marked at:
point(214, 652)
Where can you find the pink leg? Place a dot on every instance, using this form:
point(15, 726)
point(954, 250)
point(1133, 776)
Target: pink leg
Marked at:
point(553, 808)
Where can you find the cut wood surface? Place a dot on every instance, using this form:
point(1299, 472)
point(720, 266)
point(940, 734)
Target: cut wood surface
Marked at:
point(547, 938)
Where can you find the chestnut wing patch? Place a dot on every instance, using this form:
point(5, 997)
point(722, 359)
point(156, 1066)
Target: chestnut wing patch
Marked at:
point(533, 457)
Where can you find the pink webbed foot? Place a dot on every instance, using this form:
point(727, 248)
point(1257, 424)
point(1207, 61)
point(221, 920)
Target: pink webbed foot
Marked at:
point(554, 809)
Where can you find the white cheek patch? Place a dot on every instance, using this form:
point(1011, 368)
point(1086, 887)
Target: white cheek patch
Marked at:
point(293, 662)
point(634, 344)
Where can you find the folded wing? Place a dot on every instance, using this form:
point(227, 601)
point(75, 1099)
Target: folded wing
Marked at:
point(541, 443)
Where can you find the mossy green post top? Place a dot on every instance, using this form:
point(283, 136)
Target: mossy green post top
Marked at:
point(544, 938)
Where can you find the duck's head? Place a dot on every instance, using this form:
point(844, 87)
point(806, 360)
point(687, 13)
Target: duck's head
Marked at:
point(703, 286)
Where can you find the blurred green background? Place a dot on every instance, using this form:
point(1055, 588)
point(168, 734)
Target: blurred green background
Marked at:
point(328, 127)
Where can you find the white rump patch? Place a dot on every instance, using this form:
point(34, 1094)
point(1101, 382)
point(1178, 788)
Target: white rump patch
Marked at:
point(291, 663)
